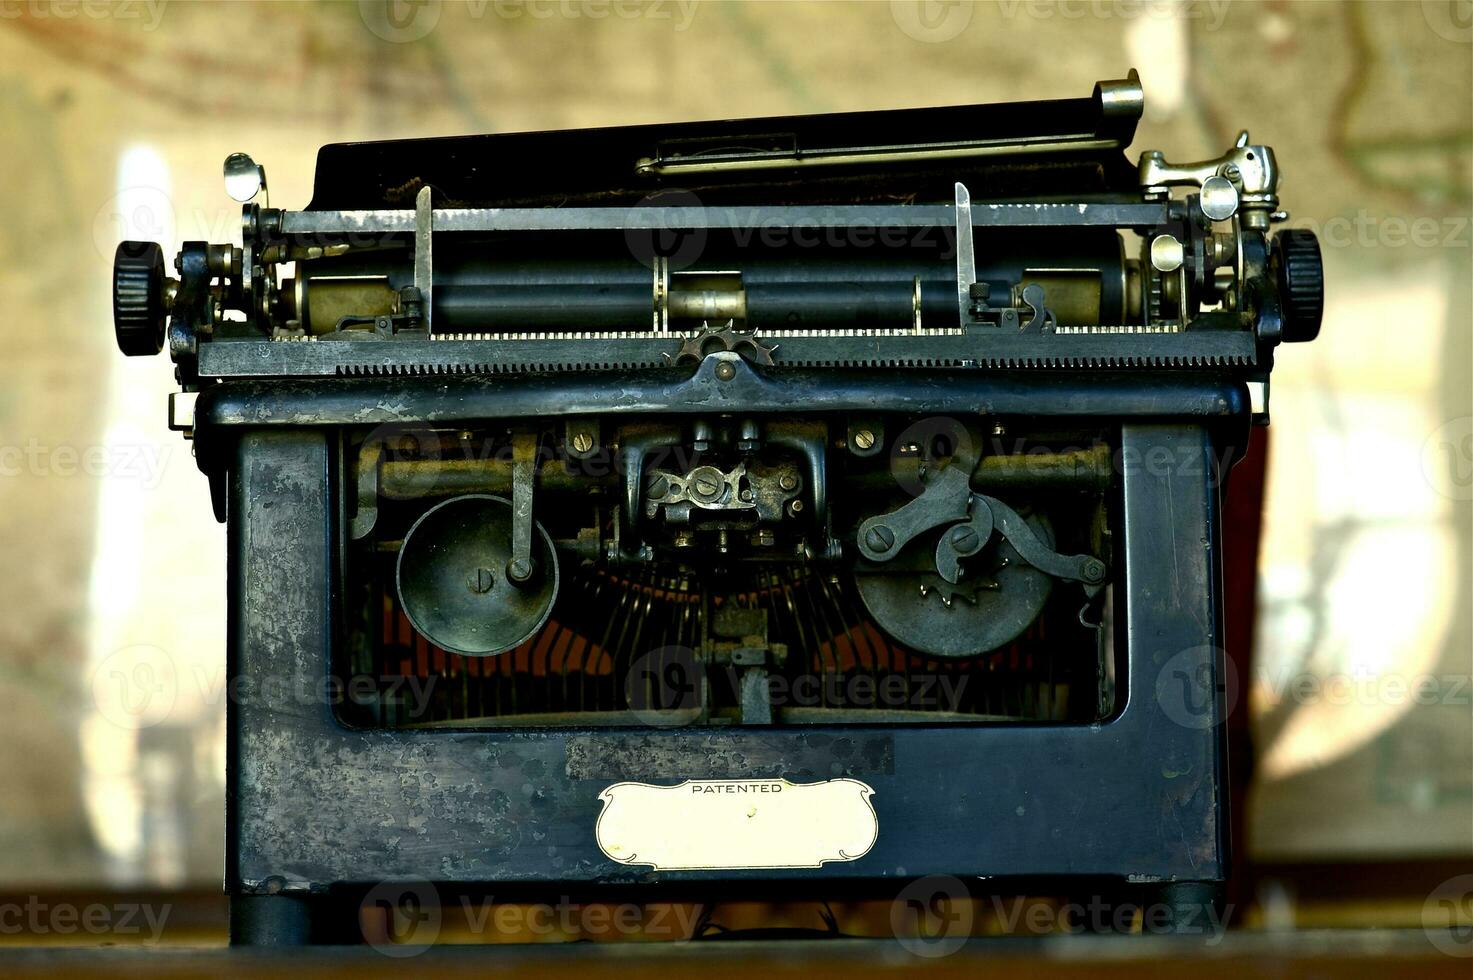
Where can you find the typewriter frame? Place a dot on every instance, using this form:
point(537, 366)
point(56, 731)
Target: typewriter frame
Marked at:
point(317, 812)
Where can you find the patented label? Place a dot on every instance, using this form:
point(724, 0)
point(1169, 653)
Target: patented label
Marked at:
point(725, 824)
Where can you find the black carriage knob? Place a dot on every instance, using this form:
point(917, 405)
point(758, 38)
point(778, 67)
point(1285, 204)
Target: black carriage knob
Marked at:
point(139, 309)
point(1300, 274)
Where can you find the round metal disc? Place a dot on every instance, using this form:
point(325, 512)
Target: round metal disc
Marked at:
point(452, 577)
point(909, 604)
point(1219, 198)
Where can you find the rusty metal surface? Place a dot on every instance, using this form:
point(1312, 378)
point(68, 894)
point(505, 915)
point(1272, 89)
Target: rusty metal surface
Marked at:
point(313, 804)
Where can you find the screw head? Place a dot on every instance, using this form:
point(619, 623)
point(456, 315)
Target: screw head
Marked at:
point(1092, 570)
point(788, 481)
point(864, 439)
point(965, 539)
point(519, 570)
point(725, 371)
point(706, 483)
point(481, 580)
point(879, 538)
point(582, 442)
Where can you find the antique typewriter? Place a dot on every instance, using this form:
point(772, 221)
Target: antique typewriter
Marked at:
point(802, 504)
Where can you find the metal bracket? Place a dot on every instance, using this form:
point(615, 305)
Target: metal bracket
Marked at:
point(966, 254)
point(1246, 175)
point(944, 501)
point(519, 568)
point(705, 487)
point(424, 260)
point(366, 515)
point(1043, 320)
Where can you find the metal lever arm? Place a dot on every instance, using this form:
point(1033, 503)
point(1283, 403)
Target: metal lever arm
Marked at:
point(988, 513)
point(1246, 174)
point(1079, 568)
point(1251, 167)
point(944, 501)
point(523, 477)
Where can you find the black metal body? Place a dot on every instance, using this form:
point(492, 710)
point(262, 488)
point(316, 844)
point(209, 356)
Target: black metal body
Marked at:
point(315, 807)
point(789, 302)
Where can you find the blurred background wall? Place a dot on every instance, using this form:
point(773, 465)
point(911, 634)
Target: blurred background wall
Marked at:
point(115, 119)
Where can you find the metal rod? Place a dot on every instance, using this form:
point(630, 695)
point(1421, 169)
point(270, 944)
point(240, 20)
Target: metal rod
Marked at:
point(424, 268)
point(449, 220)
point(966, 254)
point(854, 156)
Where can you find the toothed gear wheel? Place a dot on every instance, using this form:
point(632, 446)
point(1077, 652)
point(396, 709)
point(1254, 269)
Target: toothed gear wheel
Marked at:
point(998, 599)
point(1300, 273)
point(711, 341)
point(138, 297)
